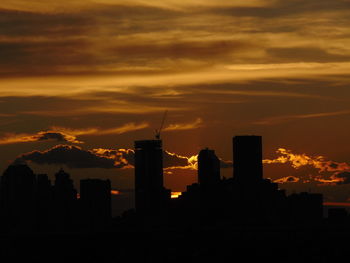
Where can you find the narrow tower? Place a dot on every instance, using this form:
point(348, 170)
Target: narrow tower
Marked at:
point(149, 191)
point(247, 159)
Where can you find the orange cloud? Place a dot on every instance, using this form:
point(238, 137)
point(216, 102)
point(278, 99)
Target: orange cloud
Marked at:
point(185, 126)
point(287, 179)
point(340, 171)
point(128, 127)
point(191, 162)
point(300, 160)
point(122, 157)
point(40, 136)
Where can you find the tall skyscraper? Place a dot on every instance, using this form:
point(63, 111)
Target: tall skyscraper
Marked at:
point(149, 191)
point(247, 159)
point(208, 168)
point(95, 199)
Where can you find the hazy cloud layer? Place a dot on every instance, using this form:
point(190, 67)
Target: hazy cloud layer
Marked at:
point(101, 37)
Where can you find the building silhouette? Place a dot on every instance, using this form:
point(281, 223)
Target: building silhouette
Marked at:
point(17, 193)
point(64, 202)
point(95, 203)
point(43, 202)
point(208, 168)
point(150, 194)
point(247, 159)
point(305, 207)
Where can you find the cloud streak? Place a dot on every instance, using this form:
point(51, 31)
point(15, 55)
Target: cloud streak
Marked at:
point(198, 123)
point(62, 134)
point(286, 118)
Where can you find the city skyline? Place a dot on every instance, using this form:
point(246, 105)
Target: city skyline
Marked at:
point(171, 131)
point(96, 74)
point(30, 202)
point(171, 161)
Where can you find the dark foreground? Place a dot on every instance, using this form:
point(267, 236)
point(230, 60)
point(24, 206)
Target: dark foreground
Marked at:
point(243, 244)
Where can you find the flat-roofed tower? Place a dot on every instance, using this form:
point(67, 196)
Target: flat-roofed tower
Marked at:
point(247, 159)
point(149, 190)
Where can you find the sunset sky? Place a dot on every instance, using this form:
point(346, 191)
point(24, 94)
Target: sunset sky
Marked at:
point(85, 78)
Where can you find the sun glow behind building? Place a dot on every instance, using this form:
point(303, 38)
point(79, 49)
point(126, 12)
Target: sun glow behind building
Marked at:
point(175, 195)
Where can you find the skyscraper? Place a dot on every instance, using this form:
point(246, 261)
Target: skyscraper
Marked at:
point(150, 194)
point(208, 168)
point(247, 159)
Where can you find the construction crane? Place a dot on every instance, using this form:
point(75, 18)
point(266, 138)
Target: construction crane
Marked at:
point(161, 126)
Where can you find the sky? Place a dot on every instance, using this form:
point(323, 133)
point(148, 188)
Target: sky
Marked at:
point(89, 77)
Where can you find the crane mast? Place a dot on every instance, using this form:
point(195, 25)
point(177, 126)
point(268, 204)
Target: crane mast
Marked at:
point(161, 126)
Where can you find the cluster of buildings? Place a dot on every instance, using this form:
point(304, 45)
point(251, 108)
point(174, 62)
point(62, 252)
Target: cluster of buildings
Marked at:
point(246, 198)
point(30, 201)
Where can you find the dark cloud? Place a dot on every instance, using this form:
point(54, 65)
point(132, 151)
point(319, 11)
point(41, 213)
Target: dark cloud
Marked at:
point(343, 178)
point(77, 157)
point(173, 160)
point(40, 136)
point(71, 156)
point(44, 57)
point(57, 136)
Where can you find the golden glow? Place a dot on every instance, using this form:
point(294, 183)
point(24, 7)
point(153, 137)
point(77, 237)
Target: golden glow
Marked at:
point(115, 192)
point(119, 156)
point(300, 160)
point(192, 162)
point(288, 179)
point(175, 195)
